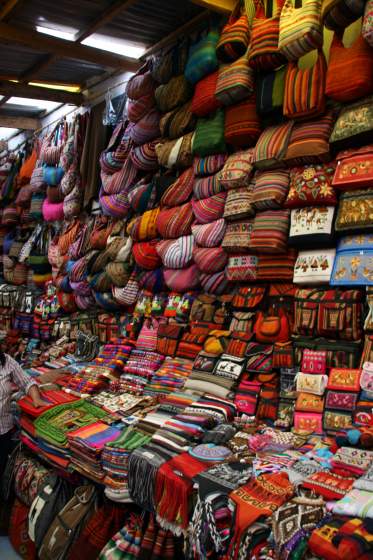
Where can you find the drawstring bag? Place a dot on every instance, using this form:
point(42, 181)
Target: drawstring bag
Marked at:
point(235, 36)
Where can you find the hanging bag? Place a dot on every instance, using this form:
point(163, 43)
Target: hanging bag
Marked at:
point(236, 81)
point(300, 28)
point(305, 90)
point(339, 14)
point(235, 36)
point(367, 29)
point(350, 70)
point(202, 58)
point(264, 53)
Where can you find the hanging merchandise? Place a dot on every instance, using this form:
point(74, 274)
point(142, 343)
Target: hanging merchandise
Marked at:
point(235, 36)
point(339, 14)
point(300, 28)
point(264, 53)
point(202, 57)
point(270, 88)
point(235, 81)
point(242, 125)
point(367, 30)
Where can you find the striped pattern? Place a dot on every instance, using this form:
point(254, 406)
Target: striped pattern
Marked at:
point(338, 15)
point(176, 253)
point(182, 280)
point(173, 94)
point(174, 222)
point(271, 189)
point(301, 29)
point(214, 283)
point(182, 121)
point(180, 190)
point(136, 109)
point(239, 204)
point(144, 157)
point(277, 267)
point(209, 164)
point(238, 236)
point(264, 53)
point(237, 170)
point(270, 231)
point(234, 38)
point(272, 145)
point(146, 129)
point(145, 227)
point(209, 235)
point(146, 255)
point(115, 205)
point(350, 71)
point(209, 135)
point(309, 141)
point(270, 91)
point(209, 209)
point(210, 260)
point(127, 295)
point(242, 124)
point(204, 101)
point(235, 82)
point(121, 180)
point(305, 89)
point(207, 186)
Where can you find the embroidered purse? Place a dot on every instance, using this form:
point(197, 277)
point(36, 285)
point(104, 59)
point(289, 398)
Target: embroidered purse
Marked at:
point(353, 264)
point(355, 210)
point(309, 403)
point(308, 422)
point(338, 400)
point(343, 379)
point(314, 267)
point(366, 380)
point(311, 226)
point(334, 421)
point(314, 361)
point(311, 383)
point(354, 125)
point(354, 169)
point(311, 185)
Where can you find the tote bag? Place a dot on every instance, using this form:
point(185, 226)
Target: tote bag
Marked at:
point(235, 36)
point(300, 28)
point(264, 52)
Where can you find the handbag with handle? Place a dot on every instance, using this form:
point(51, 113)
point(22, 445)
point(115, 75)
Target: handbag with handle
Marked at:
point(339, 14)
point(305, 89)
point(236, 81)
point(300, 28)
point(235, 36)
point(272, 327)
point(264, 52)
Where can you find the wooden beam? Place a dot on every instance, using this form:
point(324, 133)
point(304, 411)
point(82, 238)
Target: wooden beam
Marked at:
point(36, 92)
point(221, 6)
point(172, 37)
point(63, 49)
point(24, 123)
point(4, 100)
point(7, 8)
point(107, 15)
point(63, 83)
point(36, 68)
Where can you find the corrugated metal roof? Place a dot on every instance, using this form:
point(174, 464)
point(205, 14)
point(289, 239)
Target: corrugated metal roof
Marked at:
point(16, 60)
point(70, 70)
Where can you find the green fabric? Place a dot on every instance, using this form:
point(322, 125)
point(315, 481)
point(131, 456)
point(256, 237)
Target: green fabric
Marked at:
point(209, 135)
point(54, 424)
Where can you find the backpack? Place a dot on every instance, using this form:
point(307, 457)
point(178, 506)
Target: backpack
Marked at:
point(50, 500)
point(68, 523)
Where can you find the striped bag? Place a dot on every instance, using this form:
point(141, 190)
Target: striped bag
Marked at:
point(339, 14)
point(214, 283)
point(175, 153)
point(350, 71)
point(309, 141)
point(182, 280)
point(179, 191)
point(176, 253)
point(209, 235)
point(270, 189)
point(174, 222)
point(237, 236)
point(239, 204)
point(305, 89)
point(242, 268)
point(137, 108)
point(209, 165)
point(277, 267)
point(144, 157)
point(210, 260)
point(236, 81)
point(264, 53)
point(235, 36)
point(271, 147)
point(173, 94)
point(237, 170)
point(209, 135)
point(207, 186)
point(270, 90)
point(204, 100)
point(301, 29)
point(270, 231)
point(144, 227)
point(146, 254)
point(115, 205)
point(127, 295)
point(242, 124)
point(209, 209)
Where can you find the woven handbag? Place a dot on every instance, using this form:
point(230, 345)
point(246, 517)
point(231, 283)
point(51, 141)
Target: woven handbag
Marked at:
point(204, 100)
point(180, 190)
point(271, 147)
point(236, 81)
point(209, 235)
point(182, 280)
point(235, 36)
point(202, 58)
point(176, 253)
point(270, 189)
point(270, 231)
point(174, 222)
point(239, 204)
point(209, 135)
point(237, 170)
point(145, 254)
point(237, 236)
point(174, 93)
point(207, 186)
point(270, 88)
point(309, 141)
point(301, 28)
point(209, 209)
point(304, 95)
point(242, 268)
point(242, 124)
point(210, 260)
point(339, 14)
point(264, 53)
point(350, 70)
point(141, 83)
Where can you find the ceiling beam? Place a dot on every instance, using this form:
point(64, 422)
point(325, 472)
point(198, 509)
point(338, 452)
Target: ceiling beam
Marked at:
point(60, 83)
point(36, 68)
point(107, 15)
point(7, 8)
point(24, 123)
point(62, 48)
point(36, 92)
point(4, 100)
point(221, 6)
point(175, 35)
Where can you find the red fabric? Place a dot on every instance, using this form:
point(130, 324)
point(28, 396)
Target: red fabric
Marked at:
point(18, 532)
point(204, 101)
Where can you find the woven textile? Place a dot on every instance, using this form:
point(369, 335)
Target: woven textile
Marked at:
point(146, 255)
point(207, 186)
point(216, 283)
point(309, 141)
point(277, 267)
point(176, 253)
point(300, 29)
point(242, 124)
point(271, 146)
point(209, 209)
point(235, 82)
point(210, 260)
point(174, 222)
point(237, 170)
point(270, 189)
point(311, 185)
point(209, 135)
point(202, 57)
point(209, 165)
point(264, 53)
point(179, 191)
point(204, 100)
point(237, 236)
point(270, 231)
point(235, 36)
point(209, 235)
point(239, 204)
